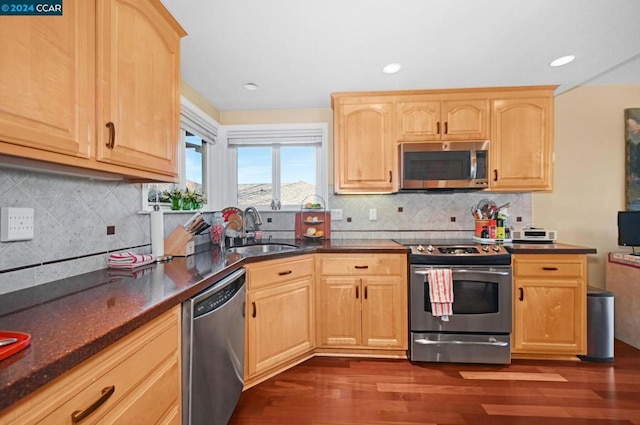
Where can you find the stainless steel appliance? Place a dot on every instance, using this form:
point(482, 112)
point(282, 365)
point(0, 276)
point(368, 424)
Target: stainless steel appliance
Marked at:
point(213, 351)
point(479, 331)
point(444, 165)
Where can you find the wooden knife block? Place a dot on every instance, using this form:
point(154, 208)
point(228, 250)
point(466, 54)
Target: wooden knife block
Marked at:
point(179, 243)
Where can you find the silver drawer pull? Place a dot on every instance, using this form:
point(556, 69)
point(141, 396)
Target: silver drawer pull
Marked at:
point(492, 342)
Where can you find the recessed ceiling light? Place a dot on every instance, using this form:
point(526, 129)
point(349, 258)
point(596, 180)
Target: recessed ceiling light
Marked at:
point(251, 86)
point(562, 60)
point(392, 68)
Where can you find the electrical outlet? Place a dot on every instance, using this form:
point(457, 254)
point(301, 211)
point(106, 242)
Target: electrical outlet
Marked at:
point(16, 224)
point(336, 215)
point(373, 214)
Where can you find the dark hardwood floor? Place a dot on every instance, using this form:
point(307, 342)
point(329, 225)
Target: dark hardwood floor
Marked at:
point(338, 391)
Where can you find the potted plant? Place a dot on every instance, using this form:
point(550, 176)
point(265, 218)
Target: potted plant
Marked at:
point(175, 197)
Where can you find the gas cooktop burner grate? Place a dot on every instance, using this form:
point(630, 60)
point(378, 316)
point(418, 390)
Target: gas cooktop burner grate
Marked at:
point(455, 253)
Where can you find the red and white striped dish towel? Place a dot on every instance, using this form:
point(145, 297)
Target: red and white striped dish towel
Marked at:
point(129, 260)
point(441, 292)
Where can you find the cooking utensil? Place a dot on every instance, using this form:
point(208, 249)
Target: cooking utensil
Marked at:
point(8, 341)
point(487, 208)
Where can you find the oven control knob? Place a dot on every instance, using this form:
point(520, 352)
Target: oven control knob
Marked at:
point(419, 248)
point(430, 248)
point(485, 248)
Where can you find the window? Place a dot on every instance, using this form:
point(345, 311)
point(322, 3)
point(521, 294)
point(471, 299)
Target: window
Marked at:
point(276, 165)
point(198, 134)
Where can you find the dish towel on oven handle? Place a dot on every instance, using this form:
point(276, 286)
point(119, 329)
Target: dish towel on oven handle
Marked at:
point(441, 292)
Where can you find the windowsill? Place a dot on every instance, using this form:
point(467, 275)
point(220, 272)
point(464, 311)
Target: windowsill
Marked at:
point(169, 211)
point(262, 211)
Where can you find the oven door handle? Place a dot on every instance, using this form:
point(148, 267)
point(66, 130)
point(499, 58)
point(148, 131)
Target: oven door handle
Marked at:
point(492, 342)
point(494, 273)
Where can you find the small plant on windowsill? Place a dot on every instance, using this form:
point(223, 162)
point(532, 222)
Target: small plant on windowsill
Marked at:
point(175, 197)
point(186, 199)
point(194, 199)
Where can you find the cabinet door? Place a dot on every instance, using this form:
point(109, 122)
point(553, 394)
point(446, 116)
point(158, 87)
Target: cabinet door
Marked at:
point(419, 121)
point(339, 312)
point(522, 144)
point(280, 325)
point(549, 316)
point(465, 119)
point(384, 312)
point(47, 83)
point(364, 148)
point(138, 86)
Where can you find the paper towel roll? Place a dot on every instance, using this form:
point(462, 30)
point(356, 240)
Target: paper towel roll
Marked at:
point(157, 232)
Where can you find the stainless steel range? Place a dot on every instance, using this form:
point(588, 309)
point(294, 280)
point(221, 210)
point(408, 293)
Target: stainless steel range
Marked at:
point(479, 330)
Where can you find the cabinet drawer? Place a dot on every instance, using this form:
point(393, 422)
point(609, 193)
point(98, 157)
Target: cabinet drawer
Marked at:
point(260, 275)
point(552, 268)
point(362, 265)
point(148, 356)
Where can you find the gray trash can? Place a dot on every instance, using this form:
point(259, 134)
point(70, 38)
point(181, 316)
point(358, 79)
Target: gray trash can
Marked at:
point(599, 325)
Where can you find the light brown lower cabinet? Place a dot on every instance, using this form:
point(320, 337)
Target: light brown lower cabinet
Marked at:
point(362, 303)
point(549, 306)
point(141, 373)
point(280, 316)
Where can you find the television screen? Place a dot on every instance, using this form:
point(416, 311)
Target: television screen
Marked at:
point(629, 228)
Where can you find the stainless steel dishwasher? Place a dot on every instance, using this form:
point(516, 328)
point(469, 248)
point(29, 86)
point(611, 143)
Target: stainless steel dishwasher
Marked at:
point(213, 351)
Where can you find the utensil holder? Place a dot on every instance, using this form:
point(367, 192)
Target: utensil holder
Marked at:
point(179, 243)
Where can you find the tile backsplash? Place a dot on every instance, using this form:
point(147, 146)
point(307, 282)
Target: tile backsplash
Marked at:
point(422, 215)
point(72, 215)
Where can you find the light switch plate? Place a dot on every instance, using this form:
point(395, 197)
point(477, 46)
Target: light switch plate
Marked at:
point(16, 224)
point(336, 215)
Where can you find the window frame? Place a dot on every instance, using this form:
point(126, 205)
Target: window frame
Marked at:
point(194, 120)
point(275, 135)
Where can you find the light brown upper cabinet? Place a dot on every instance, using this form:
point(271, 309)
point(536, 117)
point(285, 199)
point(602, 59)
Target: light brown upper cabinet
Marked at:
point(424, 120)
point(521, 155)
point(138, 86)
point(47, 83)
point(518, 121)
point(95, 88)
point(364, 154)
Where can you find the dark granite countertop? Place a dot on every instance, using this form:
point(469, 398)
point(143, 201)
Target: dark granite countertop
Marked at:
point(72, 319)
point(548, 248)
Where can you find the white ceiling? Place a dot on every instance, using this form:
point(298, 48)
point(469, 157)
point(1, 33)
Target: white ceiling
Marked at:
point(301, 51)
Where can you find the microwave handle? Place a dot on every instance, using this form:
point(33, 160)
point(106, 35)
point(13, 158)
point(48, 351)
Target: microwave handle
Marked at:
point(474, 164)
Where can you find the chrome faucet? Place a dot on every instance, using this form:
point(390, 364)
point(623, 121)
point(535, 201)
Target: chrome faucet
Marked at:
point(249, 230)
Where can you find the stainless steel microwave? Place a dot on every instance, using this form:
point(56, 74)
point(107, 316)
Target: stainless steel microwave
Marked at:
point(444, 165)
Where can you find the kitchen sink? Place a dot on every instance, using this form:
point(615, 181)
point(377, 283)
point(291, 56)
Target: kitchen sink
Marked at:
point(261, 249)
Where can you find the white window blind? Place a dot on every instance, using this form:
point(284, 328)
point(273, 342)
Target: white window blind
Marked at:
point(193, 120)
point(289, 134)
